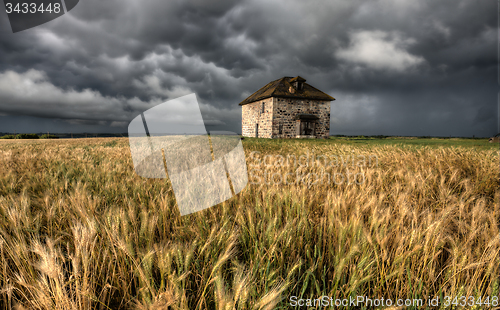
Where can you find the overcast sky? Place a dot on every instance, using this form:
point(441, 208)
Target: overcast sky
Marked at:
point(395, 67)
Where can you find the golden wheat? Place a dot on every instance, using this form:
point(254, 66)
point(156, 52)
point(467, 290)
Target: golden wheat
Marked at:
point(80, 230)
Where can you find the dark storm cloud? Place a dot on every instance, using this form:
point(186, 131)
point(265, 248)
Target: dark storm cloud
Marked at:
point(395, 66)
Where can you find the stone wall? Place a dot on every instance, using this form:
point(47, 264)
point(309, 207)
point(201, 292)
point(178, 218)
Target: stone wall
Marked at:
point(252, 114)
point(284, 111)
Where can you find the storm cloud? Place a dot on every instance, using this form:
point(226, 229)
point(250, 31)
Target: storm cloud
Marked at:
point(395, 67)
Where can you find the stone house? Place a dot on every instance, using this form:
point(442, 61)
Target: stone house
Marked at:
point(286, 108)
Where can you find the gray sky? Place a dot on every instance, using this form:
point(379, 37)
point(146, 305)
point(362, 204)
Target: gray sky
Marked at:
point(396, 67)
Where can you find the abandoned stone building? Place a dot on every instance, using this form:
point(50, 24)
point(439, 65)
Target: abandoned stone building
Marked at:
point(286, 108)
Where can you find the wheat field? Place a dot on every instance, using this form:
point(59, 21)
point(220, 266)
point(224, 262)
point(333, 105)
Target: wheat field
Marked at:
point(80, 230)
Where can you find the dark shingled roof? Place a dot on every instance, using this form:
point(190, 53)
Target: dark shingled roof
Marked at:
point(281, 88)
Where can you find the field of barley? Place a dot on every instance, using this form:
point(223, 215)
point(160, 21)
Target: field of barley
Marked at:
point(386, 218)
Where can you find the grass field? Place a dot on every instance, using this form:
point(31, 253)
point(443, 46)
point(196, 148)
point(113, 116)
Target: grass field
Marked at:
point(80, 230)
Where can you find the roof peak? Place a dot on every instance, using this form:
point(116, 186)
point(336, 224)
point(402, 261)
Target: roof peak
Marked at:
point(298, 78)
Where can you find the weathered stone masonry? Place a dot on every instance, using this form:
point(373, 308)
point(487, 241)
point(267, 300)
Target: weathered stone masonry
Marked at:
point(252, 115)
point(281, 117)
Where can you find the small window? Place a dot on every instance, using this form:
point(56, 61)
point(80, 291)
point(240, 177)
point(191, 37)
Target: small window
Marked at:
point(280, 129)
point(263, 107)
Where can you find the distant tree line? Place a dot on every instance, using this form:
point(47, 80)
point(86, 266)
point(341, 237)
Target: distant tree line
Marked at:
point(29, 136)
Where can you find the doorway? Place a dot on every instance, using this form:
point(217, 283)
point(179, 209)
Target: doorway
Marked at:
point(307, 128)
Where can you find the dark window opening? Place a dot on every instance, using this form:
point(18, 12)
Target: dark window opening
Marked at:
point(263, 107)
point(280, 129)
point(307, 128)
